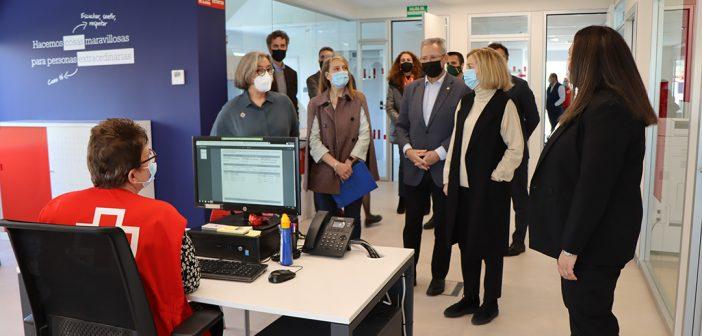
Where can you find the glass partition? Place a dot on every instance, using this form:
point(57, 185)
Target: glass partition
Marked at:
point(499, 25)
point(666, 206)
point(406, 35)
point(374, 65)
point(512, 31)
point(250, 21)
point(518, 56)
point(560, 30)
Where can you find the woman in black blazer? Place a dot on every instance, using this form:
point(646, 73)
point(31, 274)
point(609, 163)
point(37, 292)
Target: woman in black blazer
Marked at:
point(585, 204)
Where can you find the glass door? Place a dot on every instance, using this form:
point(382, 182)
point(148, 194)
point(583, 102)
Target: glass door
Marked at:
point(560, 30)
point(371, 72)
point(628, 30)
point(406, 35)
point(667, 209)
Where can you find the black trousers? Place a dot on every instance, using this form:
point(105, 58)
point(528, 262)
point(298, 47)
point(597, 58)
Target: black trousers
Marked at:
point(492, 284)
point(554, 112)
point(326, 202)
point(401, 188)
point(590, 299)
point(416, 200)
point(520, 196)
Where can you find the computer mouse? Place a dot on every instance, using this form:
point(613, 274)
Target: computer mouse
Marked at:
point(279, 276)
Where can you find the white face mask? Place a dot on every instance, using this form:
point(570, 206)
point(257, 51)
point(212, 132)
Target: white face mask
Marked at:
point(152, 174)
point(263, 83)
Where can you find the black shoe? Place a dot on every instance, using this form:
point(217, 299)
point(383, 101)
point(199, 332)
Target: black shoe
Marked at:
point(485, 314)
point(429, 225)
point(401, 206)
point(464, 307)
point(516, 249)
point(373, 219)
point(436, 287)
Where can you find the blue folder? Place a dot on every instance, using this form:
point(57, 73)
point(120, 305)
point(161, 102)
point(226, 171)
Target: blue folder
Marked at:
point(358, 185)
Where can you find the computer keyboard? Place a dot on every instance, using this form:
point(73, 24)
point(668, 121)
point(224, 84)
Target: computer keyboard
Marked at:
point(230, 270)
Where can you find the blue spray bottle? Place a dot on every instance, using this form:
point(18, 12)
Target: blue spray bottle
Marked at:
point(286, 257)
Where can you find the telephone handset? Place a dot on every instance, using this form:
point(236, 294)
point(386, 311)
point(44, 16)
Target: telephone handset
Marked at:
point(327, 235)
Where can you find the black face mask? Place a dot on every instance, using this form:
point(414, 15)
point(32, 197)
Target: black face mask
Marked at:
point(406, 67)
point(320, 64)
point(278, 55)
point(432, 69)
point(453, 70)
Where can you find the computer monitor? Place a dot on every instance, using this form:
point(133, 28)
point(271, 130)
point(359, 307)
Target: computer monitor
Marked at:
point(256, 175)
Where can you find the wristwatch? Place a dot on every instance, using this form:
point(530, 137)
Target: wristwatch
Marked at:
point(567, 254)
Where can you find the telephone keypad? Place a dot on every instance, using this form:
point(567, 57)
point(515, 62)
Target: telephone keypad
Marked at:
point(333, 235)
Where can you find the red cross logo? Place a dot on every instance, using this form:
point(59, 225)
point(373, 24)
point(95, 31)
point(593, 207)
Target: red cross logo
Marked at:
point(132, 232)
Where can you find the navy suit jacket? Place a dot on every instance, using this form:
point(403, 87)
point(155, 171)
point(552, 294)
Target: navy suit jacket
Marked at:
point(523, 98)
point(411, 128)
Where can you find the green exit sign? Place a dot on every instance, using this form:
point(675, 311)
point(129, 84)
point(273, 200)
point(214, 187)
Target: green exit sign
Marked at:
point(416, 11)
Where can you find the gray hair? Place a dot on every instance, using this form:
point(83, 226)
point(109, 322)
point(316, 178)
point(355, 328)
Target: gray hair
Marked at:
point(247, 68)
point(438, 41)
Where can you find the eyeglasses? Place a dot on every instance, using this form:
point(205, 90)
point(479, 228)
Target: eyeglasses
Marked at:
point(261, 71)
point(152, 156)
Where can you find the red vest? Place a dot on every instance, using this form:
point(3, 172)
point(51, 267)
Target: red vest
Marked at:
point(155, 232)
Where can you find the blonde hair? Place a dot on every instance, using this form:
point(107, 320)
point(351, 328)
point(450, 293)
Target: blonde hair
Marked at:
point(492, 69)
point(324, 83)
point(247, 68)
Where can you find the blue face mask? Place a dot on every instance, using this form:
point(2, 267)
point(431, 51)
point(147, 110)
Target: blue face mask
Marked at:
point(471, 78)
point(340, 79)
point(152, 171)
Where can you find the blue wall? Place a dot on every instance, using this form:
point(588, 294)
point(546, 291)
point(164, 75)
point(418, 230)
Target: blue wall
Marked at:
point(165, 35)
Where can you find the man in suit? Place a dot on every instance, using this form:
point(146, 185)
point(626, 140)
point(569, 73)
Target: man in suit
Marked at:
point(284, 77)
point(423, 131)
point(523, 97)
point(313, 81)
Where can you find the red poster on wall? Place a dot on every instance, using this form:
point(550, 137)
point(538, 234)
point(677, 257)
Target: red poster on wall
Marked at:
point(218, 4)
point(25, 180)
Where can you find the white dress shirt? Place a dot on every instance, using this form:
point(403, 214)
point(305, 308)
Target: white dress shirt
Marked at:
point(561, 95)
point(431, 92)
point(360, 149)
point(510, 130)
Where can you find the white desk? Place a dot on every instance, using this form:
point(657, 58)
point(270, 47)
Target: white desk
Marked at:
point(339, 291)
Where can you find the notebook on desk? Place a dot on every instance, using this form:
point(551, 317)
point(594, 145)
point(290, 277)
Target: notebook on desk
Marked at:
point(358, 185)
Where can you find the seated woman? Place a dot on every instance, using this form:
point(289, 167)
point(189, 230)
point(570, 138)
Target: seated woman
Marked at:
point(258, 111)
point(121, 164)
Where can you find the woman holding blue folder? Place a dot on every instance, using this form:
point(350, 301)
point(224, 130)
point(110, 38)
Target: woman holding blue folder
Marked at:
point(339, 134)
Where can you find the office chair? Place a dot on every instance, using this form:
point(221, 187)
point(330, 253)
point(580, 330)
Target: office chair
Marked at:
point(84, 281)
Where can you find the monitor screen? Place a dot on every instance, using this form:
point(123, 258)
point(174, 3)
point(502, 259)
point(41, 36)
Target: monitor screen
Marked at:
point(250, 174)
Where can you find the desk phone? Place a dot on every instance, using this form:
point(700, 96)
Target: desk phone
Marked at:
point(328, 236)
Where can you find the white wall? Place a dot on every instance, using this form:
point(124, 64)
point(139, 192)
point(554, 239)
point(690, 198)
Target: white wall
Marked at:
point(458, 15)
